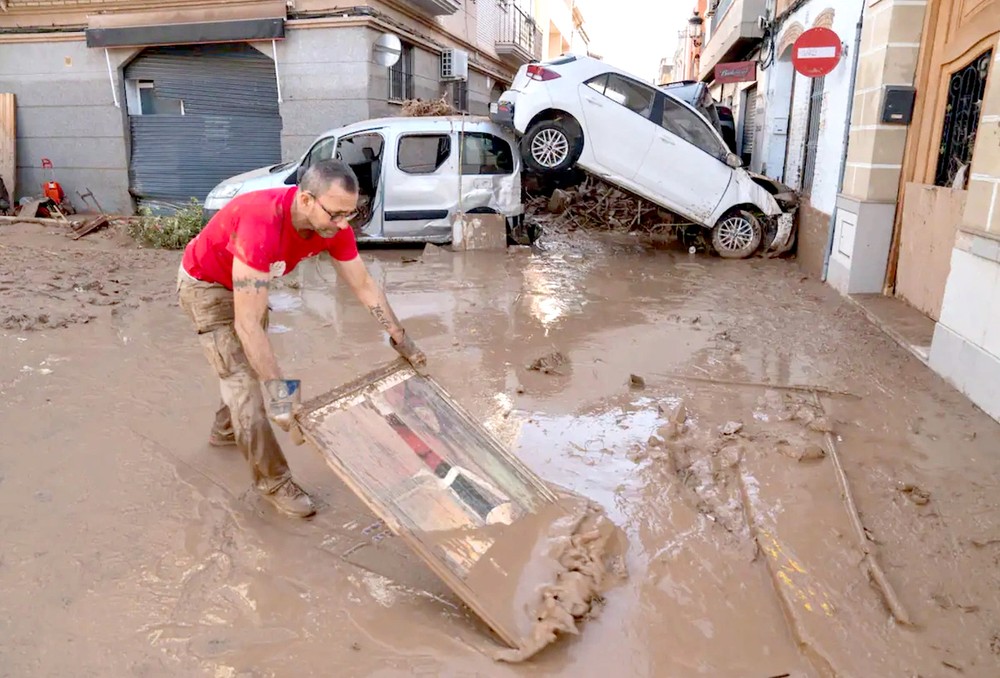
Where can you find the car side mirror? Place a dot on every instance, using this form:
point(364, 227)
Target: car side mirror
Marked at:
point(734, 160)
point(299, 172)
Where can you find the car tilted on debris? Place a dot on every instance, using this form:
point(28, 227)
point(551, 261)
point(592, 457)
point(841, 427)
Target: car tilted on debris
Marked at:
point(579, 111)
point(410, 170)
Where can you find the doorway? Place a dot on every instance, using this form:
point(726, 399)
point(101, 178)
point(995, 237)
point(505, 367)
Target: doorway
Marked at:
point(957, 59)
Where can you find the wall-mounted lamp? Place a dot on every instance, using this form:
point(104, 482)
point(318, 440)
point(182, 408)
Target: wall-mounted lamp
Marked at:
point(696, 26)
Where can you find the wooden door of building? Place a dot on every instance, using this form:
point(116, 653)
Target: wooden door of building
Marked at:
point(958, 55)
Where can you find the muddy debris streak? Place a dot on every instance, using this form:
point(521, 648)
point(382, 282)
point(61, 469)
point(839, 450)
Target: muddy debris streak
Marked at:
point(875, 571)
point(549, 364)
point(544, 574)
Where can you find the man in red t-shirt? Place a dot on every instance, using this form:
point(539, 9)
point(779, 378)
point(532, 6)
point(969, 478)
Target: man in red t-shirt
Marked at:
point(223, 287)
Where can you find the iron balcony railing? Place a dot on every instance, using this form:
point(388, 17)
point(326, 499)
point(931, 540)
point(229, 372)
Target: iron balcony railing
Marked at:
point(519, 29)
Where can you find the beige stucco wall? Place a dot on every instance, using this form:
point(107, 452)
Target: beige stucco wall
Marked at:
point(890, 45)
point(982, 208)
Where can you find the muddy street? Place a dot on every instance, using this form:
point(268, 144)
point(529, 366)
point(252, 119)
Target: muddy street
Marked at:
point(705, 405)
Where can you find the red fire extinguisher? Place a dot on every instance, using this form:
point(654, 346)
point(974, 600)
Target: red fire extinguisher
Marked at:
point(52, 190)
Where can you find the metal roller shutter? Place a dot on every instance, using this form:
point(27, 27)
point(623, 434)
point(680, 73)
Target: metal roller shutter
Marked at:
point(227, 121)
point(749, 122)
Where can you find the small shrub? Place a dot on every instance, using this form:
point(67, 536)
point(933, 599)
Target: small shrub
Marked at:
point(169, 233)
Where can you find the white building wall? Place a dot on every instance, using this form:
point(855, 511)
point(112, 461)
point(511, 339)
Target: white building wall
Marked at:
point(487, 24)
point(781, 112)
point(966, 346)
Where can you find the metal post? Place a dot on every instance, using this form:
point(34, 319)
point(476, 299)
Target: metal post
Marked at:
point(277, 75)
point(111, 76)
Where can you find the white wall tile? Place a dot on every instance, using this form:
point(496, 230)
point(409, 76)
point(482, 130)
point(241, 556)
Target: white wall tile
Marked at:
point(946, 356)
point(982, 382)
point(968, 295)
point(991, 340)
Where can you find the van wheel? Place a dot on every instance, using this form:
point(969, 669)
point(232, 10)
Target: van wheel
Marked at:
point(550, 146)
point(737, 235)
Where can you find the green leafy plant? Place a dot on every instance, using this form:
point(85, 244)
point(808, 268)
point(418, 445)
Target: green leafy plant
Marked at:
point(168, 232)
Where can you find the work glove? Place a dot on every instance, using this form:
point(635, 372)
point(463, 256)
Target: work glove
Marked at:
point(409, 351)
point(283, 400)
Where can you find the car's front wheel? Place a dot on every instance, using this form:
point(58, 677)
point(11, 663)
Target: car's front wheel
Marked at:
point(737, 235)
point(550, 146)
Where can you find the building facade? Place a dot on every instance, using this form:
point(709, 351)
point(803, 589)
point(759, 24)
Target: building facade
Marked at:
point(561, 26)
point(919, 218)
point(665, 73)
point(895, 152)
point(147, 103)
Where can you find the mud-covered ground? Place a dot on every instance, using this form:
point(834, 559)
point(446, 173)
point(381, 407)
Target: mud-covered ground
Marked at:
point(131, 548)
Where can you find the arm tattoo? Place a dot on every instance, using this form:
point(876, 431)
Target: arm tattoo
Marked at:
point(384, 316)
point(255, 283)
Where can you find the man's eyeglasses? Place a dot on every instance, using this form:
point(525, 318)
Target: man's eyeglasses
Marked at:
point(335, 216)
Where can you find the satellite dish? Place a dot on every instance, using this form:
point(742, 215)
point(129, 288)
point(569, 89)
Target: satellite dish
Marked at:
point(387, 49)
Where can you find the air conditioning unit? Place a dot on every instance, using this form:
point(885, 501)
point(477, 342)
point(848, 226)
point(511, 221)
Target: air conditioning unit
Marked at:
point(454, 64)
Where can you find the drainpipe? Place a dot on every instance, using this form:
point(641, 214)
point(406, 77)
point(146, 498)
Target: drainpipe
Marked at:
point(847, 139)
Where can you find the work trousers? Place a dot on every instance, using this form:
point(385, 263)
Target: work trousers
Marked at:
point(241, 413)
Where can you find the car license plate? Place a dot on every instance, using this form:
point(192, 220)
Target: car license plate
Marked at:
point(494, 107)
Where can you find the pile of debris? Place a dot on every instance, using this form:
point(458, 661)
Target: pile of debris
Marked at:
point(53, 208)
point(418, 108)
point(596, 205)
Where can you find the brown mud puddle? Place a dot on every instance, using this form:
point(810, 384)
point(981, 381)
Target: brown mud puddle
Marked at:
point(130, 547)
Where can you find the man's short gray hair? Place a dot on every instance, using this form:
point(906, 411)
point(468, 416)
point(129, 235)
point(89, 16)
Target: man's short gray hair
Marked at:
point(323, 174)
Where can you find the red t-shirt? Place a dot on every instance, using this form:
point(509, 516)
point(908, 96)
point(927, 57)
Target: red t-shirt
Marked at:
point(257, 228)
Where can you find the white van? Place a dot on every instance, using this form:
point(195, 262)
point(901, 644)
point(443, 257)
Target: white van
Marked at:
point(415, 174)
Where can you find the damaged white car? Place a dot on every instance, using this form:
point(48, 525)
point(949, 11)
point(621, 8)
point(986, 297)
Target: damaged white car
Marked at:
point(415, 175)
point(579, 111)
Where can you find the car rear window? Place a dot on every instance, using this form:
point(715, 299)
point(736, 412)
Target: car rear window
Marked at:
point(423, 153)
point(634, 96)
point(559, 61)
point(484, 153)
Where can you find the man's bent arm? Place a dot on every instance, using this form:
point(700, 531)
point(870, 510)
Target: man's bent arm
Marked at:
point(250, 301)
point(371, 295)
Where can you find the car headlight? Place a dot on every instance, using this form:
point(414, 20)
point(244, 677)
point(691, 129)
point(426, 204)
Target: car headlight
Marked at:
point(225, 191)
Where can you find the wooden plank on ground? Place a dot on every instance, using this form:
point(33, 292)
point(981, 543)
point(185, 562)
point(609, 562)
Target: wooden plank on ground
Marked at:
point(436, 477)
point(8, 143)
point(798, 516)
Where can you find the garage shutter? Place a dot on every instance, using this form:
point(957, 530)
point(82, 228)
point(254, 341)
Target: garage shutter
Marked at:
point(218, 116)
point(749, 122)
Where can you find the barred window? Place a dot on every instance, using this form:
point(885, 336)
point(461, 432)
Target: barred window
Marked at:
point(966, 91)
point(401, 76)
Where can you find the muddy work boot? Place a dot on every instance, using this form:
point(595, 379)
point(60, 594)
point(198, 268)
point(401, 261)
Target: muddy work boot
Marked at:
point(216, 439)
point(291, 499)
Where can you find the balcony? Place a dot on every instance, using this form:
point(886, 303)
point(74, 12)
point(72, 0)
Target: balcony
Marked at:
point(735, 30)
point(520, 40)
point(437, 7)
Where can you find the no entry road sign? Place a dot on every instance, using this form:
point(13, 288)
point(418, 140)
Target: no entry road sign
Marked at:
point(816, 52)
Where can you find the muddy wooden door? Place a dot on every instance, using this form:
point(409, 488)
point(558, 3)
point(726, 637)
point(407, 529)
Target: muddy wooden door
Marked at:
point(957, 57)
